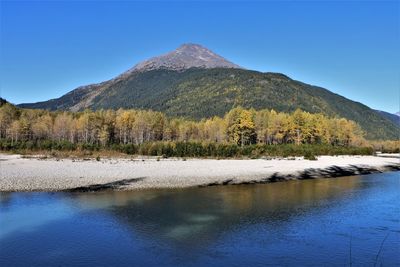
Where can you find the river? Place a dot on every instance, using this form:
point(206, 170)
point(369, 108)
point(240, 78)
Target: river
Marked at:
point(353, 221)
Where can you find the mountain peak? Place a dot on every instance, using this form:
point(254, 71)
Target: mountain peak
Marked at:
point(186, 56)
point(192, 48)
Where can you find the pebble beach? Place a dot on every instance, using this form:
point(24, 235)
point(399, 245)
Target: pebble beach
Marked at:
point(18, 173)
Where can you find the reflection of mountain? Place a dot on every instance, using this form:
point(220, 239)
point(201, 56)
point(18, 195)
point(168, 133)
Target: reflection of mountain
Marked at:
point(194, 217)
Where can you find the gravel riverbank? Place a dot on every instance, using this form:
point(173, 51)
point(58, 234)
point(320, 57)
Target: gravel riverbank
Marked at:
point(35, 174)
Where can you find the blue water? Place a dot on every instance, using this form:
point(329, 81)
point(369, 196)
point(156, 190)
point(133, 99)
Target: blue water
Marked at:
point(349, 221)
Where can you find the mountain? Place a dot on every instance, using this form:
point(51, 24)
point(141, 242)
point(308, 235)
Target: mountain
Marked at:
point(194, 82)
point(185, 57)
point(397, 113)
point(3, 101)
point(392, 117)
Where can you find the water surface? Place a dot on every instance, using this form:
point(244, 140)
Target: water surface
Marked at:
point(336, 222)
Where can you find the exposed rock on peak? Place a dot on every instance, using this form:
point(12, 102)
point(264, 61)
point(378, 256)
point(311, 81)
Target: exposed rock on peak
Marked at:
point(185, 57)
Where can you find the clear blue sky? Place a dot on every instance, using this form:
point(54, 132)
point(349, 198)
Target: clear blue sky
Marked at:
point(351, 48)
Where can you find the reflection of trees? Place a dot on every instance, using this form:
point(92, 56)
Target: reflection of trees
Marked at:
point(5, 198)
point(196, 216)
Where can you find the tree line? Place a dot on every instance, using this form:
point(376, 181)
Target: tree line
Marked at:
point(239, 126)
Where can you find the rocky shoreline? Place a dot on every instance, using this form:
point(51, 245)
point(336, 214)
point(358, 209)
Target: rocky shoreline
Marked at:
point(37, 174)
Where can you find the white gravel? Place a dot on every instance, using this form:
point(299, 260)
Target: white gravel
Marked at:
point(33, 174)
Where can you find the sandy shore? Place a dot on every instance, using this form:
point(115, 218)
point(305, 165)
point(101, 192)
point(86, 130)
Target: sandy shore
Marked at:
point(34, 174)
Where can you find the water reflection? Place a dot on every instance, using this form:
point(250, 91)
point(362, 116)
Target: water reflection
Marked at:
point(199, 215)
point(311, 222)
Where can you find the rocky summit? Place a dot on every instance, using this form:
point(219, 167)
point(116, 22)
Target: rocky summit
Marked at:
point(185, 57)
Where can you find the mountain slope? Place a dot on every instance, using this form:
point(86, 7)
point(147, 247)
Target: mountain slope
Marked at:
point(199, 93)
point(3, 101)
point(392, 117)
point(205, 91)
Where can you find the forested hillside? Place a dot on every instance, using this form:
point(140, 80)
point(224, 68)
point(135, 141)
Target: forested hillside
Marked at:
point(198, 93)
point(392, 117)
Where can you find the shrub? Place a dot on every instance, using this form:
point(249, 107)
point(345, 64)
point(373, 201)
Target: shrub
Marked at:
point(167, 149)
